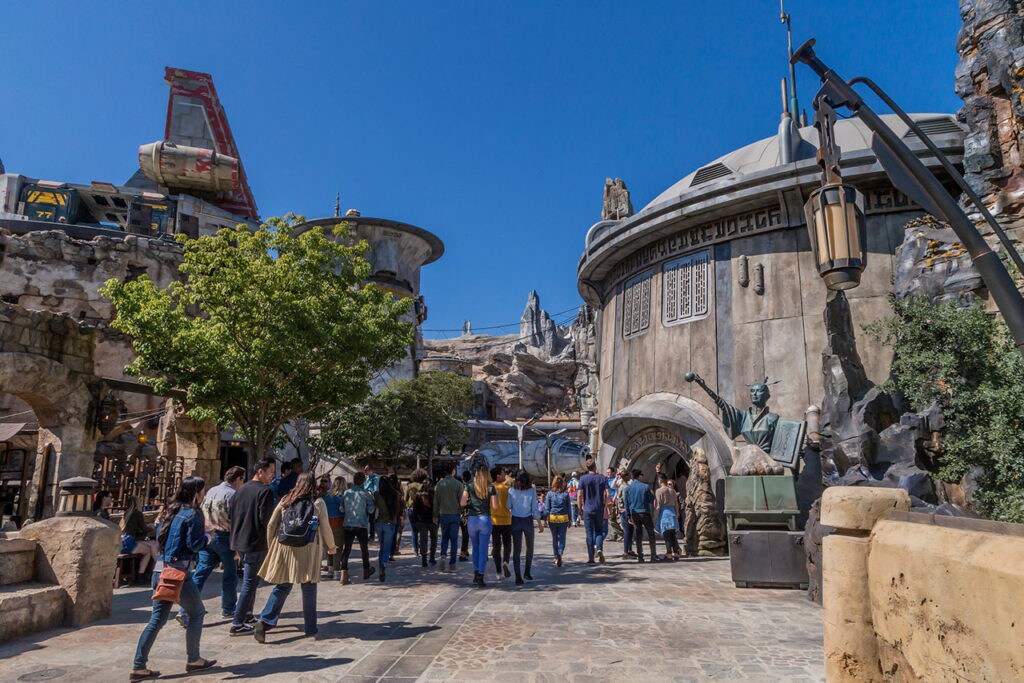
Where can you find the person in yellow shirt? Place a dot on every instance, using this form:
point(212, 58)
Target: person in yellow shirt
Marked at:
point(501, 520)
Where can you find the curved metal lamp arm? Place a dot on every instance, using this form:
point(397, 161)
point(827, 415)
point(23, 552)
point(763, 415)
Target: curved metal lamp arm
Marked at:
point(994, 274)
point(1011, 250)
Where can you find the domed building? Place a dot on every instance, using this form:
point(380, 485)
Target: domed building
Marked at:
point(716, 276)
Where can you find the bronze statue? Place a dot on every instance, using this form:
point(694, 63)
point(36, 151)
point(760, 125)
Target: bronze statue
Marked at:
point(756, 424)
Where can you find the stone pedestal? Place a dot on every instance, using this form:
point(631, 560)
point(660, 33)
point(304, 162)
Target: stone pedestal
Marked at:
point(78, 553)
point(851, 649)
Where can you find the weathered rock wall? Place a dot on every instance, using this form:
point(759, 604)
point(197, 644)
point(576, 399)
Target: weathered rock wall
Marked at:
point(990, 80)
point(49, 271)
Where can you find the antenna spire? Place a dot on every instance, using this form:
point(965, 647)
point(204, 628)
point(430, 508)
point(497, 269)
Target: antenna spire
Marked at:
point(794, 106)
point(337, 205)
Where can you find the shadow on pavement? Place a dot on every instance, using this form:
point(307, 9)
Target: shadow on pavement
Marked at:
point(387, 630)
point(294, 664)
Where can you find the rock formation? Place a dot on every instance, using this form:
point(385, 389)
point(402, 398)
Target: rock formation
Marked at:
point(703, 526)
point(534, 372)
point(990, 81)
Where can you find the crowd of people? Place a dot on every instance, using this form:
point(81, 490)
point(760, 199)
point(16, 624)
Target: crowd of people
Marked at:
point(291, 528)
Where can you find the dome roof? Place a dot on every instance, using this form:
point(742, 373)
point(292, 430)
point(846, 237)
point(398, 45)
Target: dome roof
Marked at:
point(851, 135)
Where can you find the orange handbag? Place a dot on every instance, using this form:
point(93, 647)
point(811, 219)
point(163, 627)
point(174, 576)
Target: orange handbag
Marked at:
point(168, 588)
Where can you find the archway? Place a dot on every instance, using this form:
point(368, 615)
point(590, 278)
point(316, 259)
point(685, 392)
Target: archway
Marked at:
point(672, 423)
point(652, 447)
point(63, 406)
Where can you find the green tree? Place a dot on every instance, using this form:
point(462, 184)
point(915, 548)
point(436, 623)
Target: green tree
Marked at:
point(964, 359)
point(265, 327)
point(407, 419)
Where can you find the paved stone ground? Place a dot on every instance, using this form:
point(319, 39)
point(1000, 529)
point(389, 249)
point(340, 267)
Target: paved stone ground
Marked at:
point(674, 621)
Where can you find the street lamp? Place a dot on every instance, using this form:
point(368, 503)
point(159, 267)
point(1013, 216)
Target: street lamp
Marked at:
point(548, 438)
point(835, 212)
point(519, 427)
point(913, 178)
point(76, 497)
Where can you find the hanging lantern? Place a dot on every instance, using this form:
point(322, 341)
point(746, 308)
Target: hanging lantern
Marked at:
point(838, 232)
point(107, 413)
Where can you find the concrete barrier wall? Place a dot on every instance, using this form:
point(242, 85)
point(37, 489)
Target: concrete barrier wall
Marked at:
point(912, 597)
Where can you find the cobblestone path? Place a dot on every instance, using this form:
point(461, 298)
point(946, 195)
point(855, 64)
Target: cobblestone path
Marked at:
point(671, 621)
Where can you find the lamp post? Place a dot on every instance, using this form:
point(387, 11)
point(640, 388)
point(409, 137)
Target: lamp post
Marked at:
point(548, 438)
point(519, 427)
point(830, 216)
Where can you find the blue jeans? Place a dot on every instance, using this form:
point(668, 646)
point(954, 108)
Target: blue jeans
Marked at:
point(558, 530)
point(573, 511)
point(415, 536)
point(386, 535)
point(219, 552)
point(250, 582)
point(522, 528)
point(193, 606)
point(627, 534)
point(480, 539)
point(450, 533)
point(275, 604)
point(597, 528)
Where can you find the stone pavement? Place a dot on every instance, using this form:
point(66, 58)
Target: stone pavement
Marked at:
point(674, 621)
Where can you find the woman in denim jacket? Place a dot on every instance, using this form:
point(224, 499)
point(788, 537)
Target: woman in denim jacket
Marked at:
point(180, 535)
point(556, 510)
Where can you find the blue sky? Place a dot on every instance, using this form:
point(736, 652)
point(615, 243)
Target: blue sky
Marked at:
point(491, 124)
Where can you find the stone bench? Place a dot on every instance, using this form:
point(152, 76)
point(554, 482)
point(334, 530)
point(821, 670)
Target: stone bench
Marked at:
point(30, 608)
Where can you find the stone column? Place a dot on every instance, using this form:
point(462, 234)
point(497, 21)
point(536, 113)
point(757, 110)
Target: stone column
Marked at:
point(197, 444)
point(851, 650)
point(73, 448)
point(78, 553)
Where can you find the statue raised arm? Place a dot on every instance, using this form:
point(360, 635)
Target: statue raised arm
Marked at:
point(756, 424)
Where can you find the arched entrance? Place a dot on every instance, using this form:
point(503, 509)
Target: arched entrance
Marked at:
point(652, 447)
point(657, 427)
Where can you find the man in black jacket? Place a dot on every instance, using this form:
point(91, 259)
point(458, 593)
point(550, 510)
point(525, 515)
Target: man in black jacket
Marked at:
point(251, 508)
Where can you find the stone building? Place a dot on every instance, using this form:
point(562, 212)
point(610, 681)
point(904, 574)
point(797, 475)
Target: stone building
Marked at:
point(716, 275)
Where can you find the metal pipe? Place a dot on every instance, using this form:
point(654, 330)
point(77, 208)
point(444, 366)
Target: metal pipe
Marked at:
point(949, 168)
point(993, 273)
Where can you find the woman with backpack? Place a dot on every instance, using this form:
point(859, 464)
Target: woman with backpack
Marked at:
point(421, 516)
point(180, 535)
point(295, 533)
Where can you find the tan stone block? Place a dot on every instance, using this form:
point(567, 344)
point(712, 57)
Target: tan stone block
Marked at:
point(946, 602)
point(859, 507)
point(78, 553)
point(851, 652)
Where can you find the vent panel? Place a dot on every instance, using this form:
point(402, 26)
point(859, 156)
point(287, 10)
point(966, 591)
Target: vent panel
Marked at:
point(708, 173)
point(934, 127)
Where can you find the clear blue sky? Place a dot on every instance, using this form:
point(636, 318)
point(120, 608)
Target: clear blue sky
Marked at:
point(491, 124)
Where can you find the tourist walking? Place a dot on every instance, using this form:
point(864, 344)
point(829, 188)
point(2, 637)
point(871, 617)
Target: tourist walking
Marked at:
point(417, 480)
point(250, 511)
point(293, 556)
point(134, 535)
point(620, 509)
point(478, 498)
point(421, 517)
point(283, 483)
point(639, 500)
point(388, 503)
point(336, 520)
point(666, 512)
point(467, 478)
point(357, 509)
point(501, 525)
point(396, 544)
point(372, 485)
point(522, 503)
point(556, 510)
point(573, 486)
point(614, 525)
point(180, 535)
point(216, 509)
point(448, 513)
point(594, 499)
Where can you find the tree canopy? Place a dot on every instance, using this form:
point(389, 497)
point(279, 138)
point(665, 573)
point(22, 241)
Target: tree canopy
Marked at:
point(965, 359)
point(408, 419)
point(265, 326)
